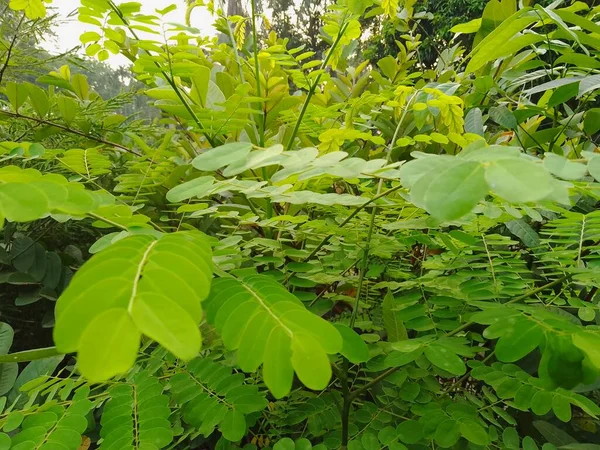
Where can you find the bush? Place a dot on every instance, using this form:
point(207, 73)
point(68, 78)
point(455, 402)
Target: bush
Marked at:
point(307, 253)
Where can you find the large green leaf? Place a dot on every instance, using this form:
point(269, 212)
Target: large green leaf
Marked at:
point(267, 324)
point(138, 285)
point(442, 357)
point(495, 44)
point(453, 191)
point(521, 338)
point(563, 168)
point(518, 180)
point(222, 156)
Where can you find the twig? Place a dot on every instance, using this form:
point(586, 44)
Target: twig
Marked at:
point(71, 130)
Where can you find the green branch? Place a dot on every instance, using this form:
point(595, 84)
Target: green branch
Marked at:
point(30, 355)
point(313, 86)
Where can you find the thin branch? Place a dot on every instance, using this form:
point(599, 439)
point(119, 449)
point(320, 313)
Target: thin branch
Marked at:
point(10, 48)
point(72, 131)
point(313, 86)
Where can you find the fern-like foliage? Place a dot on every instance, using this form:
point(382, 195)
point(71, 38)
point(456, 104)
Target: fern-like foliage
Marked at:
point(212, 396)
point(54, 427)
point(268, 325)
point(570, 244)
point(136, 416)
point(483, 267)
point(527, 392)
point(89, 163)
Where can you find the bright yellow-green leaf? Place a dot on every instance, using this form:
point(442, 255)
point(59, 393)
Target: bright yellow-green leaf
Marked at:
point(157, 285)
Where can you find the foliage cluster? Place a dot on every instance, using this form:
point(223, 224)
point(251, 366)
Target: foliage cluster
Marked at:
point(307, 252)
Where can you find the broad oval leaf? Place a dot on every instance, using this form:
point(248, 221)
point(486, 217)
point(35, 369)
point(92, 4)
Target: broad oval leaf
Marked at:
point(453, 191)
point(518, 180)
point(440, 356)
point(138, 285)
point(222, 156)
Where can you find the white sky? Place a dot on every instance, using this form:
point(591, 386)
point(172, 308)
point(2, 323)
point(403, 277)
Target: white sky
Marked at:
point(70, 29)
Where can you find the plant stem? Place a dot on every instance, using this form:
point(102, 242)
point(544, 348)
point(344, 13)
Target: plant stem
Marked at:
point(168, 78)
point(261, 131)
point(373, 382)
point(108, 221)
point(313, 86)
point(350, 217)
point(30, 355)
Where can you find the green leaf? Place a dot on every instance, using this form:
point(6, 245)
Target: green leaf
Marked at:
point(267, 324)
point(520, 338)
point(518, 180)
point(222, 156)
point(198, 187)
point(8, 376)
point(589, 84)
point(136, 416)
point(447, 433)
point(553, 434)
point(6, 337)
point(529, 443)
point(284, 444)
point(563, 168)
point(13, 420)
point(467, 27)
point(394, 326)
point(410, 431)
point(589, 343)
point(80, 86)
point(591, 122)
point(354, 348)
point(474, 122)
point(17, 94)
point(369, 441)
point(523, 231)
point(278, 371)
point(204, 385)
point(108, 346)
point(561, 408)
point(20, 202)
point(563, 94)
point(5, 441)
point(541, 403)
point(593, 167)
point(233, 426)
point(503, 117)
point(156, 288)
point(453, 192)
point(473, 432)
point(311, 365)
point(34, 9)
point(39, 100)
point(510, 438)
point(499, 42)
point(440, 356)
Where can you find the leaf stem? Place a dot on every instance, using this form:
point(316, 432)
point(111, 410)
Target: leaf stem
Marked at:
point(30, 355)
point(313, 86)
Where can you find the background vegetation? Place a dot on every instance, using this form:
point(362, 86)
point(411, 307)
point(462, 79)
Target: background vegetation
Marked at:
point(360, 225)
